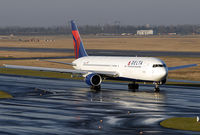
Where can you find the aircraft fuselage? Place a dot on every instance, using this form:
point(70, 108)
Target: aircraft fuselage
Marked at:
point(136, 68)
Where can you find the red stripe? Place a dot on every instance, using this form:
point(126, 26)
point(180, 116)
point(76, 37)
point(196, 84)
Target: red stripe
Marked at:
point(75, 33)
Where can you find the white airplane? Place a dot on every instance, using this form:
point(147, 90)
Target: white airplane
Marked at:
point(95, 69)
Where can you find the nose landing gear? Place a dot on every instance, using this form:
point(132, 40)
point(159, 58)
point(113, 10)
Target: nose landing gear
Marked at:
point(156, 89)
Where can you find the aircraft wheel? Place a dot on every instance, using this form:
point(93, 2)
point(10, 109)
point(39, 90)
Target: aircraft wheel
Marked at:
point(133, 86)
point(156, 89)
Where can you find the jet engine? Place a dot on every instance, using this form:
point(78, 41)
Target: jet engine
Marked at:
point(93, 79)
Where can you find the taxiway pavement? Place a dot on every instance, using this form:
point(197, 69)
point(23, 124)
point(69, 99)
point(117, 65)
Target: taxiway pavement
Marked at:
point(59, 106)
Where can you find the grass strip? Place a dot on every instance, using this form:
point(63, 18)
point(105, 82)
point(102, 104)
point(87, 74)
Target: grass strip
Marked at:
point(181, 123)
point(5, 95)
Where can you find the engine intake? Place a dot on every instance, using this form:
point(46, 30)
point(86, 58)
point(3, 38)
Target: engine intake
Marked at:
point(93, 79)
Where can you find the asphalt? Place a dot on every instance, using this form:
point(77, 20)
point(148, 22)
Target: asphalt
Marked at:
point(58, 106)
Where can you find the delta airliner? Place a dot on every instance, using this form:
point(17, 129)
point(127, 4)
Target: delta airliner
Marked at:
point(95, 69)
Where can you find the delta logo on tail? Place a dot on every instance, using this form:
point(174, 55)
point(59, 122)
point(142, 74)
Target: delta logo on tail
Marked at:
point(78, 44)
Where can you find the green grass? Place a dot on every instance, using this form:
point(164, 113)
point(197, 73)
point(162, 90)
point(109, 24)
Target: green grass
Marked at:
point(181, 123)
point(2, 57)
point(4, 95)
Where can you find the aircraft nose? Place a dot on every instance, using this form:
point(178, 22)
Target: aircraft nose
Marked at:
point(160, 73)
point(163, 73)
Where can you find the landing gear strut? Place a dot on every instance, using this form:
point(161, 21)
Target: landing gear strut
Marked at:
point(97, 88)
point(156, 89)
point(133, 86)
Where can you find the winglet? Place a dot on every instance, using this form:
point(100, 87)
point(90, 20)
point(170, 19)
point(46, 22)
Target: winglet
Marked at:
point(79, 49)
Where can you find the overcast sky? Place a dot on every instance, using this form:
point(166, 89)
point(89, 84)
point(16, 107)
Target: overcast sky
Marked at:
point(132, 12)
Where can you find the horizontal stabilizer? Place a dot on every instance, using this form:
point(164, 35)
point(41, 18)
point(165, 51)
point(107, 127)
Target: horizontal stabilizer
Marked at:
point(59, 62)
point(180, 67)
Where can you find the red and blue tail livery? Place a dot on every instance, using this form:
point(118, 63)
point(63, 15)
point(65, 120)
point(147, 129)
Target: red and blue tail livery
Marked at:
point(79, 49)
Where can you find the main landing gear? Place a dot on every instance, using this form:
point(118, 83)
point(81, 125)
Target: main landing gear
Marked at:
point(97, 88)
point(133, 86)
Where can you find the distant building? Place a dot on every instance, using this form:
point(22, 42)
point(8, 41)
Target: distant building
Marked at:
point(171, 33)
point(144, 32)
point(126, 34)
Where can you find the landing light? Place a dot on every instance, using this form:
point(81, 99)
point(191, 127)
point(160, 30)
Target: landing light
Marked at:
point(197, 118)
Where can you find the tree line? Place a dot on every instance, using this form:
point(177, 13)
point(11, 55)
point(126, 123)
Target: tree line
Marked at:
point(101, 29)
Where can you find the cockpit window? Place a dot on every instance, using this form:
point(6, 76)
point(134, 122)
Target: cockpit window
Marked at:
point(159, 65)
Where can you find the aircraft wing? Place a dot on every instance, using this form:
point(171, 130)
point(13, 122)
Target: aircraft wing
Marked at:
point(180, 67)
point(183, 81)
point(83, 72)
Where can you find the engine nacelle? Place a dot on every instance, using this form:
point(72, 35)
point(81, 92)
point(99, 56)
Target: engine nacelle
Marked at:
point(93, 79)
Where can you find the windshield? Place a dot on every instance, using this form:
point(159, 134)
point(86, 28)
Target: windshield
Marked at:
point(159, 65)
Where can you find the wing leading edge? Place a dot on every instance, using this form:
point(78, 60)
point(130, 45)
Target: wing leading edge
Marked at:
point(60, 70)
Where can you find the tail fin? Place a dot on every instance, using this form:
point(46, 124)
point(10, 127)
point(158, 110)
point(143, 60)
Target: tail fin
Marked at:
point(79, 49)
